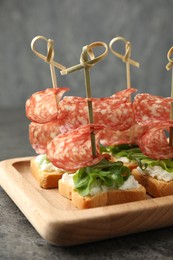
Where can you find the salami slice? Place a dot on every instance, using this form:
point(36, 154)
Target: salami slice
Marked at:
point(110, 137)
point(151, 109)
point(154, 143)
point(124, 94)
point(72, 150)
point(113, 112)
point(42, 106)
point(41, 134)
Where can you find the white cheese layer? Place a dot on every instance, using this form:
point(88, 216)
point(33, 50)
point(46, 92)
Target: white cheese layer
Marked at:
point(44, 164)
point(68, 178)
point(130, 183)
point(123, 159)
point(157, 172)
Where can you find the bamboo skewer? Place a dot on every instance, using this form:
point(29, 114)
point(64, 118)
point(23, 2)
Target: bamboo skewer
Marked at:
point(49, 58)
point(125, 58)
point(128, 77)
point(89, 95)
point(86, 64)
point(168, 67)
point(50, 47)
point(90, 63)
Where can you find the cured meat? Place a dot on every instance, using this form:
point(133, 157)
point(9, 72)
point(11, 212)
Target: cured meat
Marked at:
point(124, 94)
point(72, 150)
point(42, 106)
point(41, 134)
point(151, 109)
point(110, 137)
point(154, 143)
point(114, 111)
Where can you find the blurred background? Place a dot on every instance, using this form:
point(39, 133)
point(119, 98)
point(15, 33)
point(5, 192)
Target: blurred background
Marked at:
point(73, 24)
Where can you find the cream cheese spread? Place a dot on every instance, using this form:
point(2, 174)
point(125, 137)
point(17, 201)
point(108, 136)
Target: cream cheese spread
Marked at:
point(123, 159)
point(130, 183)
point(45, 164)
point(157, 172)
point(68, 178)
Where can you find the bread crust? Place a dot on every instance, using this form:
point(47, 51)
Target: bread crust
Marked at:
point(154, 187)
point(65, 189)
point(101, 199)
point(46, 180)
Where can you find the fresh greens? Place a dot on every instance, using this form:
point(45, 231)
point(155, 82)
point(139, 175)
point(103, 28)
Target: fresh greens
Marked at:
point(148, 162)
point(105, 173)
point(133, 153)
point(122, 150)
point(118, 148)
point(113, 174)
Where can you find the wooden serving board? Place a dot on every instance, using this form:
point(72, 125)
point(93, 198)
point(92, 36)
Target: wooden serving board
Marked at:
point(59, 222)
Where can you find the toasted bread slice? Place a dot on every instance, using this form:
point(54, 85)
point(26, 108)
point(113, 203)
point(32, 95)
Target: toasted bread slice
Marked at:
point(65, 189)
point(110, 197)
point(154, 187)
point(46, 180)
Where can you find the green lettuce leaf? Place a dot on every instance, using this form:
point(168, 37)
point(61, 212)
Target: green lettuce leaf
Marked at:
point(133, 153)
point(122, 150)
point(105, 173)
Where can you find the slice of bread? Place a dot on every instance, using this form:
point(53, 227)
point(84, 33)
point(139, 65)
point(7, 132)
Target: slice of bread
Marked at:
point(110, 197)
point(154, 187)
point(46, 179)
point(65, 189)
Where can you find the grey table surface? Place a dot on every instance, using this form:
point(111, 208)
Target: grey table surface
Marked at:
point(19, 240)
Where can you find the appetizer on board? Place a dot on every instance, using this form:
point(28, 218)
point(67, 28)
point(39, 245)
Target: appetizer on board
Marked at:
point(101, 151)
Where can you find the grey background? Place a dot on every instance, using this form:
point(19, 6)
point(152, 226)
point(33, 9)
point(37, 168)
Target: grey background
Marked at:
point(73, 24)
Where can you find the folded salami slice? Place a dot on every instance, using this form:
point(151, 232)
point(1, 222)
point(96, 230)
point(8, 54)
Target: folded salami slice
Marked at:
point(72, 150)
point(42, 106)
point(115, 111)
point(41, 134)
point(150, 109)
point(124, 94)
point(110, 137)
point(154, 143)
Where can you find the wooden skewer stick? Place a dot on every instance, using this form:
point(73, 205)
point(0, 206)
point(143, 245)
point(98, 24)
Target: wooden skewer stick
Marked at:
point(87, 64)
point(93, 60)
point(128, 51)
point(50, 48)
point(89, 95)
point(168, 67)
point(125, 58)
point(49, 58)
